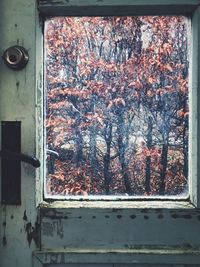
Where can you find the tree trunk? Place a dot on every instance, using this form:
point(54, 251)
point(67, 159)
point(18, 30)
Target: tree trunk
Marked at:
point(123, 164)
point(93, 150)
point(148, 175)
point(107, 157)
point(78, 142)
point(121, 149)
point(79, 150)
point(93, 141)
point(163, 170)
point(148, 158)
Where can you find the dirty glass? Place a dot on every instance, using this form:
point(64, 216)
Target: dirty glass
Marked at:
point(116, 106)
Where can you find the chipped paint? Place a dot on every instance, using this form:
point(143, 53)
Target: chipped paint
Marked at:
point(25, 216)
point(32, 233)
point(109, 239)
point(141, 255)
point(111, 228)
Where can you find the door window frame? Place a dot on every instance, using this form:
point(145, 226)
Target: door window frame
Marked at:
point(172, 222)
point(117, 7)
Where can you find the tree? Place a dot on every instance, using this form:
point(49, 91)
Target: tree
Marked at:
point(117, 97)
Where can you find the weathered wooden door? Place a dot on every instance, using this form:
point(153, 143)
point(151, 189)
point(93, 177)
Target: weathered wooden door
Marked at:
point(17, 104)
point(39, 231)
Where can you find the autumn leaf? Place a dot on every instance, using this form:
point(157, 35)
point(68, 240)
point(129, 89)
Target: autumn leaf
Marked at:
point(168, 67)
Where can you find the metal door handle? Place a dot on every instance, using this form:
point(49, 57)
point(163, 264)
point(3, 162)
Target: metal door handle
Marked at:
point(10, 155)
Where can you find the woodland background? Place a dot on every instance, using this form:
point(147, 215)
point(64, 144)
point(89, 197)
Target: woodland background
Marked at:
point(117, 105)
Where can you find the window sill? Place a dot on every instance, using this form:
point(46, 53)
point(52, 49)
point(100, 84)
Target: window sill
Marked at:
point(136, 204)
point(126, 256)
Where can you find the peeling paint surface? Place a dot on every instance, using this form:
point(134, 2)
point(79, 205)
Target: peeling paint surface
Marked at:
point(134, 257)
point(119, 228)
point(17, 96)
point(78, 234)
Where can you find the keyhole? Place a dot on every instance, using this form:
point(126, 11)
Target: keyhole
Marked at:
point(13, 58)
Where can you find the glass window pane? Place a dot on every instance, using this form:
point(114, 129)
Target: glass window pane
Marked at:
point(117, 106)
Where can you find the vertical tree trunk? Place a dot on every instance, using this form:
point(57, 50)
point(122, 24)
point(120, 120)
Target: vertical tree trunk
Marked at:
point(78, 142)
point(121, 149)
point(106, 159)
point(93, 141)
point(93, 150)
point(163, 170)
point(148, 158)
point(79, 150)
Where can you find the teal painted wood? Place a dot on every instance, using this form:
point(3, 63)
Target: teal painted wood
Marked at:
point(116, 2)
point(194, 125)
point(118, 265)
point(166, 233)
point(120, 235)
point(17, 103)
point(167, 237)
point(116, 7)
point(139, 259)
